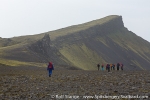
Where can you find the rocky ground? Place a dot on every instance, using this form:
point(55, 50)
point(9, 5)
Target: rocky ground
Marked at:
point(34, 84)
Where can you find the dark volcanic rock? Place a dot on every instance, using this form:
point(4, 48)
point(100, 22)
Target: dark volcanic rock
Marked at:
point(42, 46)
point(45, 52)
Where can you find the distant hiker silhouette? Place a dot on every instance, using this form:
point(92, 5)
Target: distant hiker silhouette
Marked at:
point(108, 67)
point(113, 66)
point(50, 68)
point(102, 67)
point(121, 66)
point(118, 65)
point(98, 65)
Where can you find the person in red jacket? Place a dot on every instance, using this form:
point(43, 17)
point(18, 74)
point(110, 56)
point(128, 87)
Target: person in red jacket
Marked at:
point(50, 68)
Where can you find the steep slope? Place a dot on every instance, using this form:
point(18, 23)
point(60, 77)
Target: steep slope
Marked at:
point(109, 42)
point(101, 41)
point(111, 48)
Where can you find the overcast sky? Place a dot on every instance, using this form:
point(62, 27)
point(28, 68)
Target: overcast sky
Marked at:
point(27, 17)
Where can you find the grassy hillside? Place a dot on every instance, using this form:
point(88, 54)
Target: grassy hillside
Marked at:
point(83, 46)
point(15, 63)
point(81, 56)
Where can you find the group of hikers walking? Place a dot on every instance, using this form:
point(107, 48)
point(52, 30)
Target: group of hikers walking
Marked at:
point(110, 67)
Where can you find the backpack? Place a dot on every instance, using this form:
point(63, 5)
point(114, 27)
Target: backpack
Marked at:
point(50, 66)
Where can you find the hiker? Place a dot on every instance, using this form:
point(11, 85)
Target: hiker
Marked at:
point(118, 65)
point(113, 66)
point(121, 66)
point(102, 67)
point(108, 67)
point(50, 67)
point(98, 65)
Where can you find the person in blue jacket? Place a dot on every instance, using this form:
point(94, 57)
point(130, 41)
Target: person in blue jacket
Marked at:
point(50, 68)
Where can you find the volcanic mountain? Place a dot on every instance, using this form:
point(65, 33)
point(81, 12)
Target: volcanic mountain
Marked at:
point(83, 46)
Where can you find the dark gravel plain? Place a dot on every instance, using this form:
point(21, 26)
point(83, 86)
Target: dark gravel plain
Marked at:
point(34, 84)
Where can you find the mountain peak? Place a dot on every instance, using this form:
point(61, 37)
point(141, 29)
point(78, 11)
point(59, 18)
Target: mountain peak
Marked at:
point(108, 19)
point(112, 21)
point(104, 20)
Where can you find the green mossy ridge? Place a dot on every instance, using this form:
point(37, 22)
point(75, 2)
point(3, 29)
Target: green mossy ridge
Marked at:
point(80, 27)
point(16, 63)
